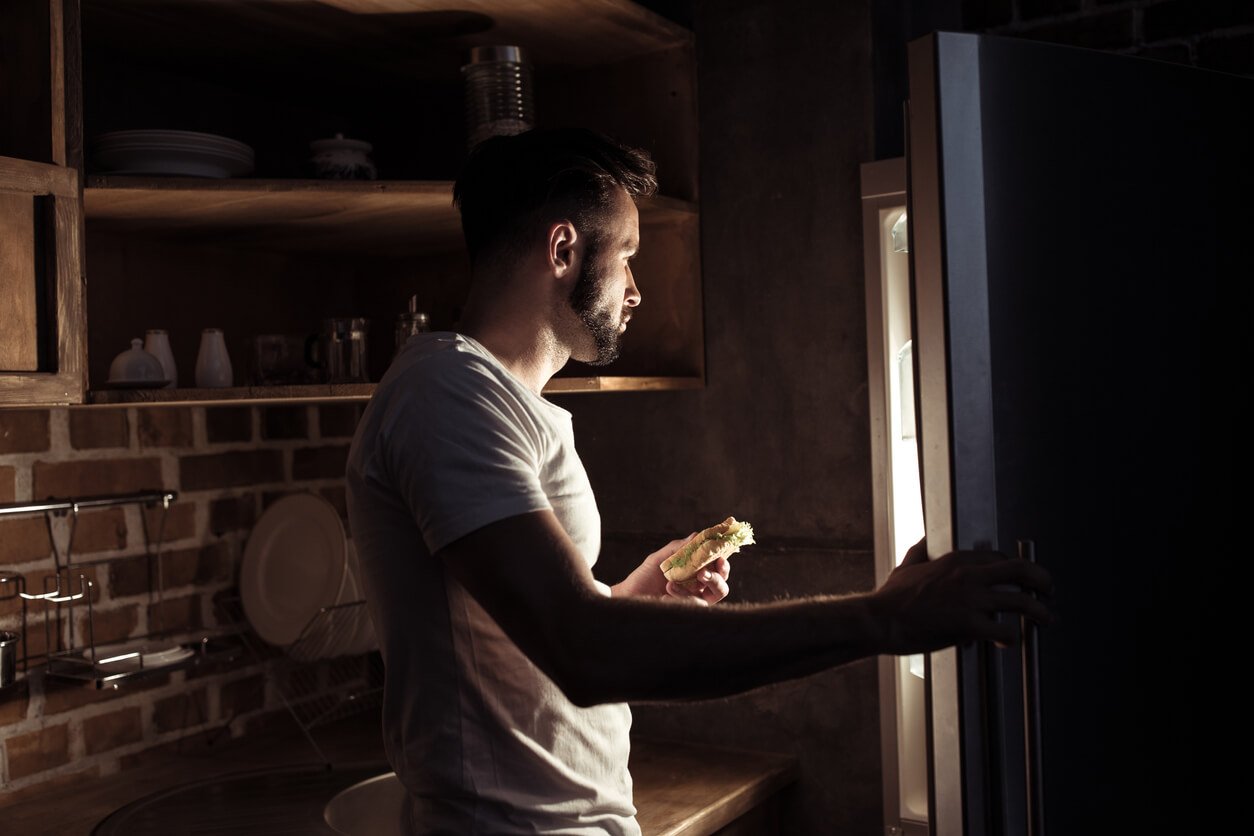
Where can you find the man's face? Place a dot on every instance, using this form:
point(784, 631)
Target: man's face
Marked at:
point(605, 291)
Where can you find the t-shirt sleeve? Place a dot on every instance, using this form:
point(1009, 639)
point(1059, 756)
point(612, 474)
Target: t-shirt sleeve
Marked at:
point(463, 451)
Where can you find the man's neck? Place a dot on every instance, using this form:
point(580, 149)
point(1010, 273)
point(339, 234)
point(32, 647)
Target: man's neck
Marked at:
point(532, 355)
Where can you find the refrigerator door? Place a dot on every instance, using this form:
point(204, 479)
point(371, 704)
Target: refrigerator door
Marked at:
point(1080, 225)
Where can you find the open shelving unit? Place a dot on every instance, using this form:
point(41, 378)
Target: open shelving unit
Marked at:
point(277, 252)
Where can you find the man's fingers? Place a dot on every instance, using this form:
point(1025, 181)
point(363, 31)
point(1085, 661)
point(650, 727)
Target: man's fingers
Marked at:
point(916, 554)
point(1017, 602)
point(1018, 571)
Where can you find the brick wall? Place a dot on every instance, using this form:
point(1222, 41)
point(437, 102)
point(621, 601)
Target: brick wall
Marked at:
point(1211, 34)
point(227, 464)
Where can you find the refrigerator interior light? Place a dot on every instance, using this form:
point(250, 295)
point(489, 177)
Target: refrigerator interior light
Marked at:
point(901, 240)
point(905, 372)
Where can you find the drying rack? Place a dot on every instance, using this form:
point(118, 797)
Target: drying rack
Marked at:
point(63, 590)
point(331, 671)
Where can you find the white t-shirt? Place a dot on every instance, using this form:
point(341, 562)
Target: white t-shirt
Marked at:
point(481, 738)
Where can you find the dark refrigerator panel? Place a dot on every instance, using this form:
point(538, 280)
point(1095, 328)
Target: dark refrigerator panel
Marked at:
point(1080, 321)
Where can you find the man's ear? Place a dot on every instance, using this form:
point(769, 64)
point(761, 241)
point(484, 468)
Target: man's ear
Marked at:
point(562, 251)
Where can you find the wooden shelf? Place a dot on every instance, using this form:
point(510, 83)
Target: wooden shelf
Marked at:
point(317, 393)
point(571, 385)
point(385, 217)
point(409, 38)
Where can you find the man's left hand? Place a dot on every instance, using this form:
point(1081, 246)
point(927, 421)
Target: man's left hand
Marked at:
point(708, 587)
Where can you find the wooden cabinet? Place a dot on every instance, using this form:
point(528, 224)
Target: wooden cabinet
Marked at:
point(42, 348)
point(276, 252)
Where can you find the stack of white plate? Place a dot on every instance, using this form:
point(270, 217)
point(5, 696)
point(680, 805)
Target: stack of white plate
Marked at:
point(182, 153)
point(296, 582)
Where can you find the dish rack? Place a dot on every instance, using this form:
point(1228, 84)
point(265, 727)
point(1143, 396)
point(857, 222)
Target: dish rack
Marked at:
point(331, 671)
point(64, 590)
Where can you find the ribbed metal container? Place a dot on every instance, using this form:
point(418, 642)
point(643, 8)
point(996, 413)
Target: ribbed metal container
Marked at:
point(499, 94)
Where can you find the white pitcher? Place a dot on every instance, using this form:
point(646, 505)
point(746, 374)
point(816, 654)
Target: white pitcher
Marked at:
point(213, 365)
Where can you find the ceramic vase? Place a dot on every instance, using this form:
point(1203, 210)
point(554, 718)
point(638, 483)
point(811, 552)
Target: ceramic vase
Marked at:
point(213, 365)
point(157, 343)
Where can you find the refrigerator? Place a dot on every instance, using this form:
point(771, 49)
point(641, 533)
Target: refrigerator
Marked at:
point(1057, 297)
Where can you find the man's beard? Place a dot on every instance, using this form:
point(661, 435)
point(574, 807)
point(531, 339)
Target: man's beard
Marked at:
point(600, 323)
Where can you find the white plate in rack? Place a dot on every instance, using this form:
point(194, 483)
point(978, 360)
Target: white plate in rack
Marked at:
point(294, 564)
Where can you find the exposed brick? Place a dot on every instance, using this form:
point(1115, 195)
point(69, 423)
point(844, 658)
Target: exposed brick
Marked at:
point(1099, 31)
point(66, 695)
point(14, 701)
point(8, 483)
point(1229, 55)
point(108, 626)
point(175, 615)
point(283, 422)
point(224, 424)
point(92, 429)
point(231, 469)
point(198, 566)
point(180, 523)
point(38, 751)
point(23, 539)
point(180, 711)
point(232, 513)
point(320, 462)
point(94, 477)
point(1029, 9)
point(132, 576)
point(99, 531)
point(36, 638)
point(1179, 18)
point(980, 15)
point(109, 731)
point(242, 696)
point(165, 427)
point(24, 431)
point(338, 420)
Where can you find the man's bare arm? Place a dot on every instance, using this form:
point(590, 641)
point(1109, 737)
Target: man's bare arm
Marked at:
point(527, 575)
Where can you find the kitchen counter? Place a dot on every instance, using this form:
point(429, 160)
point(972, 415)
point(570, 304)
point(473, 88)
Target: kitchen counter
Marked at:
point(681, 789)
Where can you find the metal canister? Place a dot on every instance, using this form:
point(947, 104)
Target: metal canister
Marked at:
point(498, 90)
point(413, 321)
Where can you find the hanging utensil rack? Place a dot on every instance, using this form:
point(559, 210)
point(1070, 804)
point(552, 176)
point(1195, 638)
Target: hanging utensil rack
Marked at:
point(90, 663)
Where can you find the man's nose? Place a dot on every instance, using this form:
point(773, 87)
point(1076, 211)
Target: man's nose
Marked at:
point(632, 297)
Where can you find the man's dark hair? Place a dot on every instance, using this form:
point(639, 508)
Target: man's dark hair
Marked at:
point(511, 186)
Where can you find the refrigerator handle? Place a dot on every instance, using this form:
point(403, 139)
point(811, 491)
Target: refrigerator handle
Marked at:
point(1032, 713)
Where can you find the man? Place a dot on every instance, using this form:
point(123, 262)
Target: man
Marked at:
point(508, 666)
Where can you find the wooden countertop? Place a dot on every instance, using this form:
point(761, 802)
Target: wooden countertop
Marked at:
point(680, 789)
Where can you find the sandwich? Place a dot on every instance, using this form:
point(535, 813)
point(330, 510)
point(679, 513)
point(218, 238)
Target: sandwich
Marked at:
point(722, 540)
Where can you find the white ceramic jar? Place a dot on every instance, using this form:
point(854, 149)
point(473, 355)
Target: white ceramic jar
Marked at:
point(213, 364)
point(342, 159)
point(157, 343)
